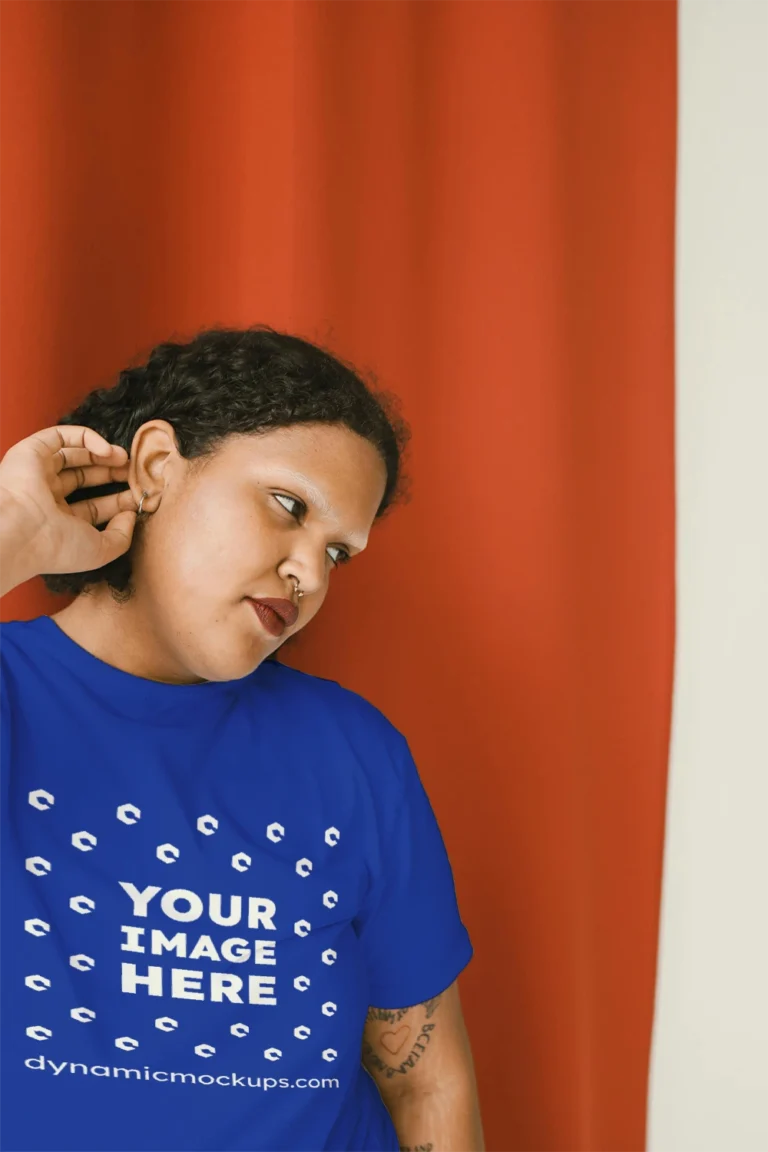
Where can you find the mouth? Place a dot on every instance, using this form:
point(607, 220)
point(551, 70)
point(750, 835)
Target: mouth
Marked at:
point(275, 615)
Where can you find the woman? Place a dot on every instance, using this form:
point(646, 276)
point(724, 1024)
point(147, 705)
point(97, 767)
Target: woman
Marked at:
point(229, 920)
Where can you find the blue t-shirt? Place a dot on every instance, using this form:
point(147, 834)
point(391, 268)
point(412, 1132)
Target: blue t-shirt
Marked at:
point(204, 888)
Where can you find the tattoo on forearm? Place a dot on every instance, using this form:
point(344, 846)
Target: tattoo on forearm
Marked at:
point(417, 1148)
point(395, 1041)
point(392, 1015)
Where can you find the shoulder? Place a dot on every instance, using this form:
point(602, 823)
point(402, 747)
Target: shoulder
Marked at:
point(19, 640)
point(16, 638)
point(15, 634)
point(330, 702)
point(327, 709)
point(331, 692)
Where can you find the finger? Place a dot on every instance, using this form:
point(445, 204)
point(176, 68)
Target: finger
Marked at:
point(116, 537)
point(103, 508)
point(89, 477)
point(79, 458)
point(77, 436)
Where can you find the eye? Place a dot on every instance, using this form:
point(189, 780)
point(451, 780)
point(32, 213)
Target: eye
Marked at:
point(293, 500)
point(343, 556)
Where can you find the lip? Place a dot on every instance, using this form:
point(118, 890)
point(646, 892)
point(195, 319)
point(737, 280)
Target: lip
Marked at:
point(281, 614)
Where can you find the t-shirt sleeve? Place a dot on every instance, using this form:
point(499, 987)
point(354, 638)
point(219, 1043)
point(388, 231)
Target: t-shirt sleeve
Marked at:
point(410, 927)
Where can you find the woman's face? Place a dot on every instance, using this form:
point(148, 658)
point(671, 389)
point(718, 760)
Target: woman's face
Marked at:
point(264, 508)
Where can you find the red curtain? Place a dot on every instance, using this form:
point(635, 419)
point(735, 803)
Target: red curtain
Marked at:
point(475, 200)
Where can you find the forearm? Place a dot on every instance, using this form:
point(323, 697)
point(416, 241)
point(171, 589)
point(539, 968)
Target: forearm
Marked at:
point(16, 561)
point(447, 1120)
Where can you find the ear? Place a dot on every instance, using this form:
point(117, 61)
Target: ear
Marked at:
point(154, 458)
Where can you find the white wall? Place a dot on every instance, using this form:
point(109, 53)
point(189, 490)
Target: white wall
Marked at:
point(709, 1066)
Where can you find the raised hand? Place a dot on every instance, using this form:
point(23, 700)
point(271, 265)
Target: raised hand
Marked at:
point(41, 532)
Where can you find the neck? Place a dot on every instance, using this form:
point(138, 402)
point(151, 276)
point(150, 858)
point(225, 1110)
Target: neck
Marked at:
point(123, 635)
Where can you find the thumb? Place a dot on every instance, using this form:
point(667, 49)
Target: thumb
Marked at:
point(116, 538)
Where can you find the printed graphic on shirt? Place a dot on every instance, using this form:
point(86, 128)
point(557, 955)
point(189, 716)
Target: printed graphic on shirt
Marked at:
point(202, 961)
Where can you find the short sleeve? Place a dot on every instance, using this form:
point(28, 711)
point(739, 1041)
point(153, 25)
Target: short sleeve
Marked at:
point(410, 928)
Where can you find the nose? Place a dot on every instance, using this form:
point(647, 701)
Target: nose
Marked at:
point(310, 574)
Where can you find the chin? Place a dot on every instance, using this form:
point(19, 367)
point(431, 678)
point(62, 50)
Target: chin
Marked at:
point(235, 668)
point(231, 658)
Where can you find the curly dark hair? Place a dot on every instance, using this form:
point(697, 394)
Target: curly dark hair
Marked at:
point(226, 381)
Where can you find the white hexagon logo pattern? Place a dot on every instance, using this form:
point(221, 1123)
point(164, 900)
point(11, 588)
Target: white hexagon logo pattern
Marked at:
point(207, 825)
point(36, 927)
point(303, 866)
point(166, 1023)
point(206, 1050)
point(85, 841)
point(240, 1030)
point(301, 983)
point(275, 832)
point(37, 865)
point(128, 813)
point(83, 1015)
point(328, 956)
point(302, 927)
point(332, 836)
point(329, 1053)
point(40, 799)
point(82, 962)
point(127, 1043)
point(241, 861)
point(37, 983)
point(330, 898)
point(301, 1032)
point(168, 853)
point(37, 1032)
point(82, 904)
point(328, 1008)
point(272, 1053)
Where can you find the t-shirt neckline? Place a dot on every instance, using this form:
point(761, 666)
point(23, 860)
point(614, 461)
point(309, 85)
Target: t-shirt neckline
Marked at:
point(131, 694)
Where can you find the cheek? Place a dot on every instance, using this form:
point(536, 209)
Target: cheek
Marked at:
point(208, 547)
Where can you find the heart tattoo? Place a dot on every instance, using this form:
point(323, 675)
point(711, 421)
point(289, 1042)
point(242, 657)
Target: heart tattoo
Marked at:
point(393, 1041)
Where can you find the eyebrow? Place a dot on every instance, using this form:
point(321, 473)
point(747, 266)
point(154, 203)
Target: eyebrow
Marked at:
point(319, 501)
